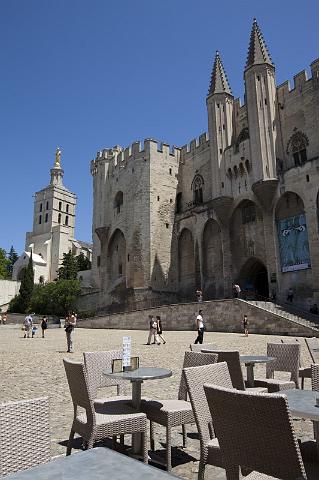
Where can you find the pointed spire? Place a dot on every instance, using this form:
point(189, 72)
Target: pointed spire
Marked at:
point(257, 51)
point(219, 81)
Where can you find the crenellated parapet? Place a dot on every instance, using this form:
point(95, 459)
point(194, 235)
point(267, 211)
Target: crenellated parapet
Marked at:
point(119, 158)
point(301, 84)
point(194, 147)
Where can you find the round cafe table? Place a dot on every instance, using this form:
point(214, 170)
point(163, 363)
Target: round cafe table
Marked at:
point(250, 361)
point(137, 377)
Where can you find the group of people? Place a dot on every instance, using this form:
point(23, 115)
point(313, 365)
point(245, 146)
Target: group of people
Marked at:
point(3, 318)
point(200, 327)
point(155, 331)
point(29, 327)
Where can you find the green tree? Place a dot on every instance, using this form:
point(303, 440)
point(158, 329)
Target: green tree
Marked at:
point(12, 258)
point(55, 298)
point(83, 263)
point(69, 267)
point(26, 287)
point(3, 264)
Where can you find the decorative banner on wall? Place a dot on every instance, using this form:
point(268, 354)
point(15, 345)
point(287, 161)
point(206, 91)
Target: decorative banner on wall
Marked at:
point(293, 243)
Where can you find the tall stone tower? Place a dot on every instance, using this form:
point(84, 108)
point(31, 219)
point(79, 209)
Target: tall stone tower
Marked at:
point(53, 226)
point(260, 87)
point(220, 121)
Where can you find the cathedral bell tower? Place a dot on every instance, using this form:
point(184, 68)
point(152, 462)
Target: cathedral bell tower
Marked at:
point(260, 90)
point(220, 127)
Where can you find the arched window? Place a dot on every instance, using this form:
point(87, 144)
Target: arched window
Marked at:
point(297, 147)
point(197, 187)
point(118, 201)
point(46, 217)
point(66, 220)
point(60, 206)
point(67, 208)
point(40, 210)
point(59, 218)
point(47, 206)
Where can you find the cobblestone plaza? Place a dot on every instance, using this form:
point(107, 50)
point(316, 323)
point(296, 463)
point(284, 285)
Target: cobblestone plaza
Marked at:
point(33, 367)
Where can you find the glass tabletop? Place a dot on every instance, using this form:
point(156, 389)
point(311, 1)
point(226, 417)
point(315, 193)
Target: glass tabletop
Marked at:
point(302, 403)
point(142, 373)
point(246, 359)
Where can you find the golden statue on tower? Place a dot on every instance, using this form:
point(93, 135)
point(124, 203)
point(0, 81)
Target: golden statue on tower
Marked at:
point(57, 163)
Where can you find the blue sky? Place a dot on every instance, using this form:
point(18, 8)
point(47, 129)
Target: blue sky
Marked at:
point(89, 74)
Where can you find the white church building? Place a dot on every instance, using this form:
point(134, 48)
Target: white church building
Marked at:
point(53, 229)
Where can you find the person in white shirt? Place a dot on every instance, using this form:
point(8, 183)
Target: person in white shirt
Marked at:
point(28, 324)
point(200, 326)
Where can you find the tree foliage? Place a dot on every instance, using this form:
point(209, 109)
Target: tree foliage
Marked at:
point(83, 263)
point(3, 264)
point(69, 267)
point(55, 298)
point(22, 302)
point(12, 258)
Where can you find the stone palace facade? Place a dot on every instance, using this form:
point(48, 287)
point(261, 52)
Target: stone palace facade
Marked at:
point(239, 204)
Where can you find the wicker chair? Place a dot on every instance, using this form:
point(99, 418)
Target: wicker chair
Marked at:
point(195, 378)
point(315, 377)
point(95, 363)
point(232, 358)
point(24, 435)
point(175, 413)
point(287, 358)
point(258, 435)
point(199, 347)
point(99, 421)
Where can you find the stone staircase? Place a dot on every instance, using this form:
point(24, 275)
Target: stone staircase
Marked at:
point(290, 312)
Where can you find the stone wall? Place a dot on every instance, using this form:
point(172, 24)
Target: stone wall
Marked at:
point(220, 316)
point(8, 290)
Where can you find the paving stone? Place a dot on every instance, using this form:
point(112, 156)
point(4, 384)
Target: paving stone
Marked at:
point(33, 367)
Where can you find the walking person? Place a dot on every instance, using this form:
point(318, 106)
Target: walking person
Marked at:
point(200, 326)
point(245, 325)
point(70, 323)
point(160, 329)
point(28, 324)
point(44, 325)
point(4, 319)
point(152, 331)
point(199, 295)
point(290, 296)
point(236, 290)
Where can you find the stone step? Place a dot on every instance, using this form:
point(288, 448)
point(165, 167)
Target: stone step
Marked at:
point(279, 310)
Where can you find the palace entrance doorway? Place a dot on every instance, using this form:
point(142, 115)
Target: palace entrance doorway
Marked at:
point(253, 279)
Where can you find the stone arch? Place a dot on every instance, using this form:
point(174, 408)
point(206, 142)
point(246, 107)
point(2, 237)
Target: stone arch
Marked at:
point(253, 279)
point(116, 254)
point(247, 238)
point(186, 262)
point(292, 233)
point(213, 284)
